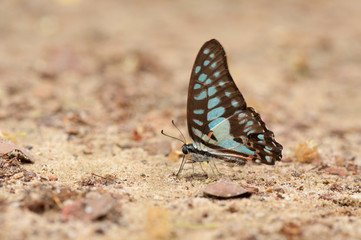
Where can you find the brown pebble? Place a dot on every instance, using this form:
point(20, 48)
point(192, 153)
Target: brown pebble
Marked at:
point(225, 190)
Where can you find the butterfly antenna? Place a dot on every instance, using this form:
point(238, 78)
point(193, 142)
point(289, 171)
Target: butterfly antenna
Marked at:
point(179, 131)
point(162, 132)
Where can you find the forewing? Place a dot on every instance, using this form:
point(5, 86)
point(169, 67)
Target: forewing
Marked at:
point(211, 90)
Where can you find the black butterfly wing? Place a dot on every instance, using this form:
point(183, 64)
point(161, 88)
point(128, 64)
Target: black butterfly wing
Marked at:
point(219, 121)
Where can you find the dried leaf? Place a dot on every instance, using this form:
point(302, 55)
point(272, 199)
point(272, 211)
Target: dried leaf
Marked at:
point(10, 150)
point(91, 208)
point(225, 190)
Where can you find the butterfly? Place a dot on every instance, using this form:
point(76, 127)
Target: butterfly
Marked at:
point(220, 124)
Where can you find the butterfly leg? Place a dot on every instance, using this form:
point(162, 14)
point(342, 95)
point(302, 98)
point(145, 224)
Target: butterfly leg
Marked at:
point(181, 166)
point(192, 169)
point(212, 160)
point(200, 164)
point(210, 165)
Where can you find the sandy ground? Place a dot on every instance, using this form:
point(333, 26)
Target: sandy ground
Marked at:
point(88, 85)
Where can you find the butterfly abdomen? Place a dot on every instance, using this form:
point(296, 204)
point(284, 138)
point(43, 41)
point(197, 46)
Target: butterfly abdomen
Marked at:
point(200, 156)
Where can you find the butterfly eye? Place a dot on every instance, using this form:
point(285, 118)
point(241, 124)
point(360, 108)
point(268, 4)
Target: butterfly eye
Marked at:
point(185, 149)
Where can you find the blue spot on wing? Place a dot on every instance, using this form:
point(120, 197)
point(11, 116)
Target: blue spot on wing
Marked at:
point(198, 122)
point(197, 86)
point(200, 111)
point(215, 122)
point(198, 68)
point(197, 132)
point(243, 121)
point(201, 96)
point(249, 123)
point(231, 144)
point(213, 65)
point(206, 62)
point(202, 77)
point(211, 91)
point(245, 150)
point(268, 148)
point(227, 143)
point(216, 74)
point(234, 103)
point(206, 51)
point(242, 115)
point(212, 55)
point(215, 113)
point(213, 102)
point(249, 132)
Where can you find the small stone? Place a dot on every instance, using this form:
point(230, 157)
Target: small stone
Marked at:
point(28, 176)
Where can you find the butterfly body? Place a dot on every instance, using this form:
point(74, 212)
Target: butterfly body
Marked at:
point(219, 122)
point(200, 155)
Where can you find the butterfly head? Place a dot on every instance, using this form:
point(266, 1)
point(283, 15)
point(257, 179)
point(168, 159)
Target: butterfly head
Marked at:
point(187, 148)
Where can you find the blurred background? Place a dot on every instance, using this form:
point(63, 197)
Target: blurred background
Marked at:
point(296, 62)
point(87, 85)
